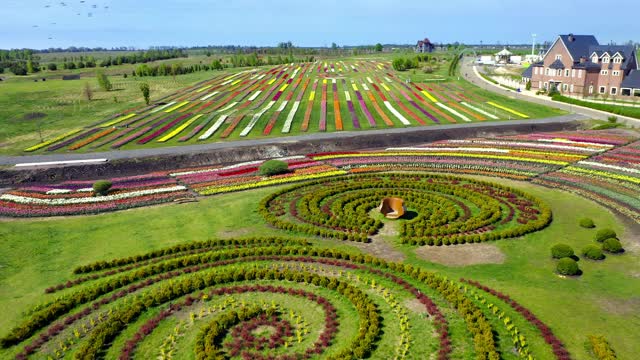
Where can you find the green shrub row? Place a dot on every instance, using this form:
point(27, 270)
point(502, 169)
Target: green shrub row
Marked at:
point(614, 109)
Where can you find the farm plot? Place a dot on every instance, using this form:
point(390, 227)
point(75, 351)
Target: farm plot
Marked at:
point(287, 99)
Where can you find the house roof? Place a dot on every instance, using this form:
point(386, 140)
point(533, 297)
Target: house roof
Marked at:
point(504, 52)
point(578, 45)
point(625, 51)
point(528, 72)
point(632, 80)
point(557, 65)
point(588, 65)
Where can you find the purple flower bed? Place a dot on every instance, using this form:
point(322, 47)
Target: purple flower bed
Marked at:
point(364, 107)
point(142, 131)
point(198, 128)
point(352, 110)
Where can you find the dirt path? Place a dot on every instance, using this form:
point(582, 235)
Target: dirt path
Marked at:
point(380, 246)
point(462, 255)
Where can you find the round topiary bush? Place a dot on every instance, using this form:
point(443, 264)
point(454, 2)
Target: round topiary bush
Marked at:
point(587, 223)
point(612, 245)
point(593, 252)
point(273, 167)
point(101, 187)
point(568, 266)
point(604, 234)
point(560, 251)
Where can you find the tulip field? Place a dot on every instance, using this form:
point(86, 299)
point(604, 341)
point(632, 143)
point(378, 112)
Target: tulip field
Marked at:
point(302, 283)
point(324, 96)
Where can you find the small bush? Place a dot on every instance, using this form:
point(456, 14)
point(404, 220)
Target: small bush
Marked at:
point(612, 245)
point(593, 252)
point(273, 167)
point(560, 251)
point(601, 348)
point(101, 187)
point(568, 266)
point(604, 234)
point(587, 223)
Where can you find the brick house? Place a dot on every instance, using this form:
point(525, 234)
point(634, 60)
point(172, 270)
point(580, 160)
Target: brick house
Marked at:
point(579, 65)
point(425, 46)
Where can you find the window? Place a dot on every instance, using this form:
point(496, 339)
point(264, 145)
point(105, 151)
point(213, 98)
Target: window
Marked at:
point(559, 72)
point(594, 59)
point(539, 84)
point(603, 90)
point(614, 91)
point(615, 73)
point(559, 57)
point(579, 73)
point(573, 73)
point(566, 73)
point(571, 88)
point(604, 72)
point(565, 87)
point(617, 60)
point(546, 71)
point(545, 85)
point(535, 70)
point(605, 60)
point(590, 89)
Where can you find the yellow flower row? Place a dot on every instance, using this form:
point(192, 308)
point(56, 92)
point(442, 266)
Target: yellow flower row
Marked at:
point(49, 142)
point(180, 128)
point(604, 174)
point(278, 181)
point(115, 121)
point(176, 106)
point(479, 156)
point(507, 109)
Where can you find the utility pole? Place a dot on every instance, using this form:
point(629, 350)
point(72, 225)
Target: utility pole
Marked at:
point(533, 46)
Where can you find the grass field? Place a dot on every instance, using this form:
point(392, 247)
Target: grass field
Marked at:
point(65, 109)
point(602, 301)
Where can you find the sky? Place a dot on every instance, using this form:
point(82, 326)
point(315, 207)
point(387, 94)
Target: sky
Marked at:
point(43, 24)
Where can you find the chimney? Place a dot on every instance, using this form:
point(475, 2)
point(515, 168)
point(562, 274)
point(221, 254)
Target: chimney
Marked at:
point(583, 60)
point(571, 38)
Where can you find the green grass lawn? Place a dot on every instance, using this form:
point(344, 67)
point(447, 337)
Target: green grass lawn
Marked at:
point(604, 300)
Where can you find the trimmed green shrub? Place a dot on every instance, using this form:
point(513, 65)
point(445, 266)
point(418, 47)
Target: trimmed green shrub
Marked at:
point(560, 251)
point(593, 252)
point(101, 187)
point(587, 223)
point(604, 234)
point(568, 266)
point(615, 109)
point(612, 245)
point(273, 167)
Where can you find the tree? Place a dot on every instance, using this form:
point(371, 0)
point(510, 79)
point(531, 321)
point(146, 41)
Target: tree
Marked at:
point(31, 68)
point(399, 64)
point(88, 93)
point(18, 69)
point(528, 86)
point(378, 47)
point(52, 66)
point(334, 46)
point(144, 87)
point(217, 65)
point(101, 187)
point(103, 81)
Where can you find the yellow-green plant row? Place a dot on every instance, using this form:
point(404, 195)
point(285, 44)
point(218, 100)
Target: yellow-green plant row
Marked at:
point(444, 210)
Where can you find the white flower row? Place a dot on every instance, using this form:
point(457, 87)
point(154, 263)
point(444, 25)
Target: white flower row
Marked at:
point(607, 166)
point(67, 191)
point(528, 144)
point(567, 141)
point(88, 200)
point(492, 150)
point(234, 166)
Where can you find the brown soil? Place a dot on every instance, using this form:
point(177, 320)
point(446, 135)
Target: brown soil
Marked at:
point(462, 255)
point(380, 247)
point(415, 306)
point(621, 307)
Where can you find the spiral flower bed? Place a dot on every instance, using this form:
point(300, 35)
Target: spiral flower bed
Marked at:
point(444, 209)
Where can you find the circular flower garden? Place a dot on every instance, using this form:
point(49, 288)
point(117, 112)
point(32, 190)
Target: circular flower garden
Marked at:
point(443, 210)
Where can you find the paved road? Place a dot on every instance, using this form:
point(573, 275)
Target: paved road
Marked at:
point(470, 75)
point(177, 150)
